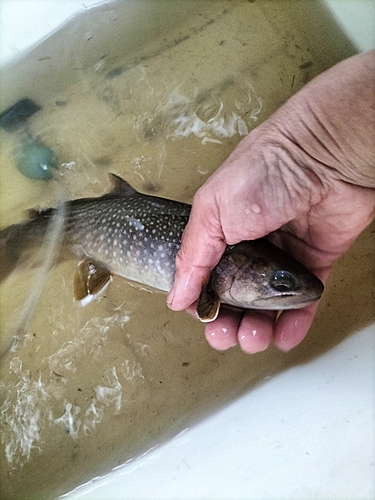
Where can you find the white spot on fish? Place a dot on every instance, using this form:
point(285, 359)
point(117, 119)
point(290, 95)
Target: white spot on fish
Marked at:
point(136, 223)
point(159, 266)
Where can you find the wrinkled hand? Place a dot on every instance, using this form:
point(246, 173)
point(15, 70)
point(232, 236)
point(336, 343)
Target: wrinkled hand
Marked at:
point(282, 179)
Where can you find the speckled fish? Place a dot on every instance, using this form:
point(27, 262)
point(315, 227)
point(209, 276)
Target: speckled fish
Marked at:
point(137, 236)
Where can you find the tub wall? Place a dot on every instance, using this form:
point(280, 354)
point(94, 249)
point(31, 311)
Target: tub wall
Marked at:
point(214, 451)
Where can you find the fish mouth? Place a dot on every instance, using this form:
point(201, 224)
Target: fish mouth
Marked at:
point(285, 301)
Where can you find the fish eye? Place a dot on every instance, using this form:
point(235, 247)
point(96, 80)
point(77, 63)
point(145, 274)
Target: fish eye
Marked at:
point(282, 281)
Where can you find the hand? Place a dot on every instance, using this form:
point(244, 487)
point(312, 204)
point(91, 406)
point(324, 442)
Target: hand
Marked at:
point(281, 179)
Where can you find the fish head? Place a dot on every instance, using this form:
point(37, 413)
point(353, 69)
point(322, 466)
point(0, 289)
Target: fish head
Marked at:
point(259, 275)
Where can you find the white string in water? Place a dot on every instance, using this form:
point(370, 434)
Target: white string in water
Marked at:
point(46, 255)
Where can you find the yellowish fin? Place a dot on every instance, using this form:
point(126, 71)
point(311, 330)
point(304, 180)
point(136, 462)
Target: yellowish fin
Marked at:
point(90, 280)
point(208, 304)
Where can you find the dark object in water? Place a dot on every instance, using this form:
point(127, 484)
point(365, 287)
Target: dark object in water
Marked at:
point(16, 116)
point(33, 159)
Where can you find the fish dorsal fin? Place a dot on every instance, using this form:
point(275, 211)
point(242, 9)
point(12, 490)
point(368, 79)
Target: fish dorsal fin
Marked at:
point(208, 304)
point(121, 187)
point(90, 280)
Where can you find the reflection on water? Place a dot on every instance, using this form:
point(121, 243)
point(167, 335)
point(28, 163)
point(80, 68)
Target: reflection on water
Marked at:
point(89, 388)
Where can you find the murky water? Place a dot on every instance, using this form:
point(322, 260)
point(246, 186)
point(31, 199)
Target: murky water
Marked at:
point(89, 388)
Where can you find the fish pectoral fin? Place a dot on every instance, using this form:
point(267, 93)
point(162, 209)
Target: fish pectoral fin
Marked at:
point(208, 304)
point(90, 280)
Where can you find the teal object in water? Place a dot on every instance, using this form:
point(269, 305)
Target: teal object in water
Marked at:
point(34, 160)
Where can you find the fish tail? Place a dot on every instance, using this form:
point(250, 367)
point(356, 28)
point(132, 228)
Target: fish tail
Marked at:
point(10, 249)
point(19, 243)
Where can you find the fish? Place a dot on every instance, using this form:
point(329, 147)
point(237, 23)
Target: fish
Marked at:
point(137, 236)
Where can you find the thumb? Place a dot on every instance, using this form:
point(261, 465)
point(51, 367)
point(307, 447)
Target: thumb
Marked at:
point(202, 246)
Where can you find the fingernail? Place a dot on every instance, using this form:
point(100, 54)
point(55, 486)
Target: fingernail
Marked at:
point(170, 296)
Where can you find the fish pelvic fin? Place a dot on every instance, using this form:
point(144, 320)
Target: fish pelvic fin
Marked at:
point(90, 280)
point(208, 304)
